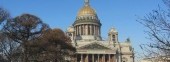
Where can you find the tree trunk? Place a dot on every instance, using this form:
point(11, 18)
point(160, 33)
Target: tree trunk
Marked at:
point(25, 59)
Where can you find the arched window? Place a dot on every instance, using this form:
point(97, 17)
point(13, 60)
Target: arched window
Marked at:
point(124, 59)
point(113, 38)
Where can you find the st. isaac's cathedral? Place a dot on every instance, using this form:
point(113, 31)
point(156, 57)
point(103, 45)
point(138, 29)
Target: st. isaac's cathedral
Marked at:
point(85, 34)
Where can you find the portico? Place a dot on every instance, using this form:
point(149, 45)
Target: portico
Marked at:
point(95, 52)
point(95, 58)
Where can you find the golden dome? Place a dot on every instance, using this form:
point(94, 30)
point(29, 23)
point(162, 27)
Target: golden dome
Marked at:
point(86, 10)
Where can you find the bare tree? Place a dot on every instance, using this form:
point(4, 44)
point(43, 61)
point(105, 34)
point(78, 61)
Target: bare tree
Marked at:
point(53, 46)
point(8, 48)
point(157, 25)
point(26, 38)
point(3, 15)
point(2, 59)
point(23, 30)
point(166, 2)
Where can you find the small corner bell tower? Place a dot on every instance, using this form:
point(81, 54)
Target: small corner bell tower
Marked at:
point(113, 35)
point(70, 33)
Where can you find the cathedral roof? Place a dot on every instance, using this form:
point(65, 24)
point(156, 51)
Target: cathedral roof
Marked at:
point(86, 11)
point(87, 15)
point(95, 46)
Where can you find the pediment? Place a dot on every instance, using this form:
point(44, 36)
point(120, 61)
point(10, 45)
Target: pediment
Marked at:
point(95, 46)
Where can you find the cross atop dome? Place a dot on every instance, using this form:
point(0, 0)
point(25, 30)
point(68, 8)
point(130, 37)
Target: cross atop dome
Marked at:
point(86, 2)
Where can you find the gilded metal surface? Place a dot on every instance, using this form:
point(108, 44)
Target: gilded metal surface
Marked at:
point(86, 10)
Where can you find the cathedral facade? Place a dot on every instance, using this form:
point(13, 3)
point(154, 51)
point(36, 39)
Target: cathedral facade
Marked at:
point(85, 34)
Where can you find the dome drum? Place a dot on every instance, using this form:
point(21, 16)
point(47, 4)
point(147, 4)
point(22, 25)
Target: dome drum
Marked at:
point(87, 17)
point(77, 22)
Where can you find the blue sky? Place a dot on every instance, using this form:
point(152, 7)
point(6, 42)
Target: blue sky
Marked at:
point(121, 14)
